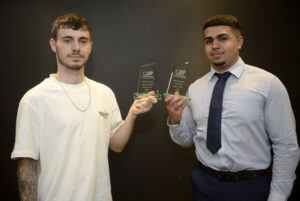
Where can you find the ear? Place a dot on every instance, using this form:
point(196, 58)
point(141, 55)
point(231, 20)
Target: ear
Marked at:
point(240, 41)
point(53, 44)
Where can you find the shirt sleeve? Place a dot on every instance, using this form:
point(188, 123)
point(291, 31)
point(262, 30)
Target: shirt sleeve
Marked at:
point(184, 132)
point(281, 127)
point(27, 133)
point(116, 118)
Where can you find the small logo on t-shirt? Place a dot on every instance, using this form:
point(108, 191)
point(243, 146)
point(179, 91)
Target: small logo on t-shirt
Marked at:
point(103, 114)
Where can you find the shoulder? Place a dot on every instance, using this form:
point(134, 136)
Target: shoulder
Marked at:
point(34, 97)
point(260, 76)
point(103, 95)
point(35, 94)
point(100, 88)
point(258, 72)
point(268, 82)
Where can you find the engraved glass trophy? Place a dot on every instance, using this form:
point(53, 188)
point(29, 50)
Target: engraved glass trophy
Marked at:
point(147, 82)
point(179, 80)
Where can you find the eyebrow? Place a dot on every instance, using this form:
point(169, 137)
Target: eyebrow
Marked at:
point(218, 36)
point(83, 37)
point(80, 38)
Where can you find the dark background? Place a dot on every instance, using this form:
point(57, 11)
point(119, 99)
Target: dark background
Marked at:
point(126, 34)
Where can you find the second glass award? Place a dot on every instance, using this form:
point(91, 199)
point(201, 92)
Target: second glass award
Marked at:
point(179, 81)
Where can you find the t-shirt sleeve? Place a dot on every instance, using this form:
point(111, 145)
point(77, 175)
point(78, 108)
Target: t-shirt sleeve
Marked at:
point(27, 133)
point(116, 118)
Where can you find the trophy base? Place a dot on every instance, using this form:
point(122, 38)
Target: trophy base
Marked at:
point(186, 97)
point(137, 96)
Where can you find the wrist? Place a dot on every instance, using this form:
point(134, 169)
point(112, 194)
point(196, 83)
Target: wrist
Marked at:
point(174, 121)
point(132, 115)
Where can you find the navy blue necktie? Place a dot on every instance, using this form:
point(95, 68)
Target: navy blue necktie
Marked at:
point(213, 141)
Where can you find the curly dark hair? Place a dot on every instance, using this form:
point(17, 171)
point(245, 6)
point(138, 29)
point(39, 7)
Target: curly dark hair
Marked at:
point(70, 21)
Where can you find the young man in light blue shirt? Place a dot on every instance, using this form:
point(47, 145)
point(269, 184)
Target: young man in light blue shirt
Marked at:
point(231, 121)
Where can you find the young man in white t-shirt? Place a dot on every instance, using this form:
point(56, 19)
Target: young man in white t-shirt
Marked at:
point(66, 124)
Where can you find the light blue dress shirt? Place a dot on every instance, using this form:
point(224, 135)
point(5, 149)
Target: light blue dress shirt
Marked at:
point(256, 109)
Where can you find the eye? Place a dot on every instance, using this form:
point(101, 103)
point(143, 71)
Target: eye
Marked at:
point(67, 41)
point(83, 41)
point(223, 38)
point(208, 41)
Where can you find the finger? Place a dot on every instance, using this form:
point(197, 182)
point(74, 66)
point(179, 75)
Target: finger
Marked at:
point(144, 108)
point(183, 105)
point(185, 102)
point(147, 100)
point(177, 100)
point(142, 100)
point(150, 95)
point(152, 100)
point(171, 98)
point(169, 102)
point(137, 101)
point(179, 104)
point(181, 101)
point(143, 104)
point(168, 99)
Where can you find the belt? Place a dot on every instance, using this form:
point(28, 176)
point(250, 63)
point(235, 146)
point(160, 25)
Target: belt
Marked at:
point(234, 176)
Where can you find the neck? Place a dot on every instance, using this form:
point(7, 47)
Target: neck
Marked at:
point(69, 76)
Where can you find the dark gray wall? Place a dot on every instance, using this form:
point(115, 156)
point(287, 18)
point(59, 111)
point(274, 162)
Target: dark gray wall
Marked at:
point(126, 34)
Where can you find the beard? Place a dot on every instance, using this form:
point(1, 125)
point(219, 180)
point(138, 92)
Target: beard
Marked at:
point(219, 63)
point(72, 66)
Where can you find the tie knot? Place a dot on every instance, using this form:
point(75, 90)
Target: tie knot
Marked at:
point(223, 75)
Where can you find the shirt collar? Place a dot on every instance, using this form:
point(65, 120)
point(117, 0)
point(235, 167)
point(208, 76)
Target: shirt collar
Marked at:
point(237, 69)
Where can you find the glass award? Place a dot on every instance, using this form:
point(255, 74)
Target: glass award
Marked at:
point(179, 81)
point(147, 81)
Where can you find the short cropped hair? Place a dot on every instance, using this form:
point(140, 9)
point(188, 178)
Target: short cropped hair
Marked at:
point(70, 21)
point(224, 20)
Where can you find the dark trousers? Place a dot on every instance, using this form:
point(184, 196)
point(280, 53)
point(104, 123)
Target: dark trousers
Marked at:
point(208, 188)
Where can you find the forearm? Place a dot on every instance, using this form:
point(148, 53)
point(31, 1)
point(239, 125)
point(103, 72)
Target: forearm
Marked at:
point(27, 179)
point(183, 132)
point(181, 135)
point(284, 165)
point(122, 135)
point(281, 128)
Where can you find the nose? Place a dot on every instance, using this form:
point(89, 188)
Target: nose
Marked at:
point(215, 45)
point(76, 46)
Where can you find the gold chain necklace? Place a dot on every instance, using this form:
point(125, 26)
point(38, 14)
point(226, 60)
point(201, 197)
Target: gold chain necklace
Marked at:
point(81, 110)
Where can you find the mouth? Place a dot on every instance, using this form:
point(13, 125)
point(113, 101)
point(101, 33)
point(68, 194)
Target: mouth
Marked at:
point(216, 54)
point(76, 57)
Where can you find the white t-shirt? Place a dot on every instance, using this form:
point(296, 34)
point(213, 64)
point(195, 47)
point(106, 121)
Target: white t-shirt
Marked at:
point(70, 146)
